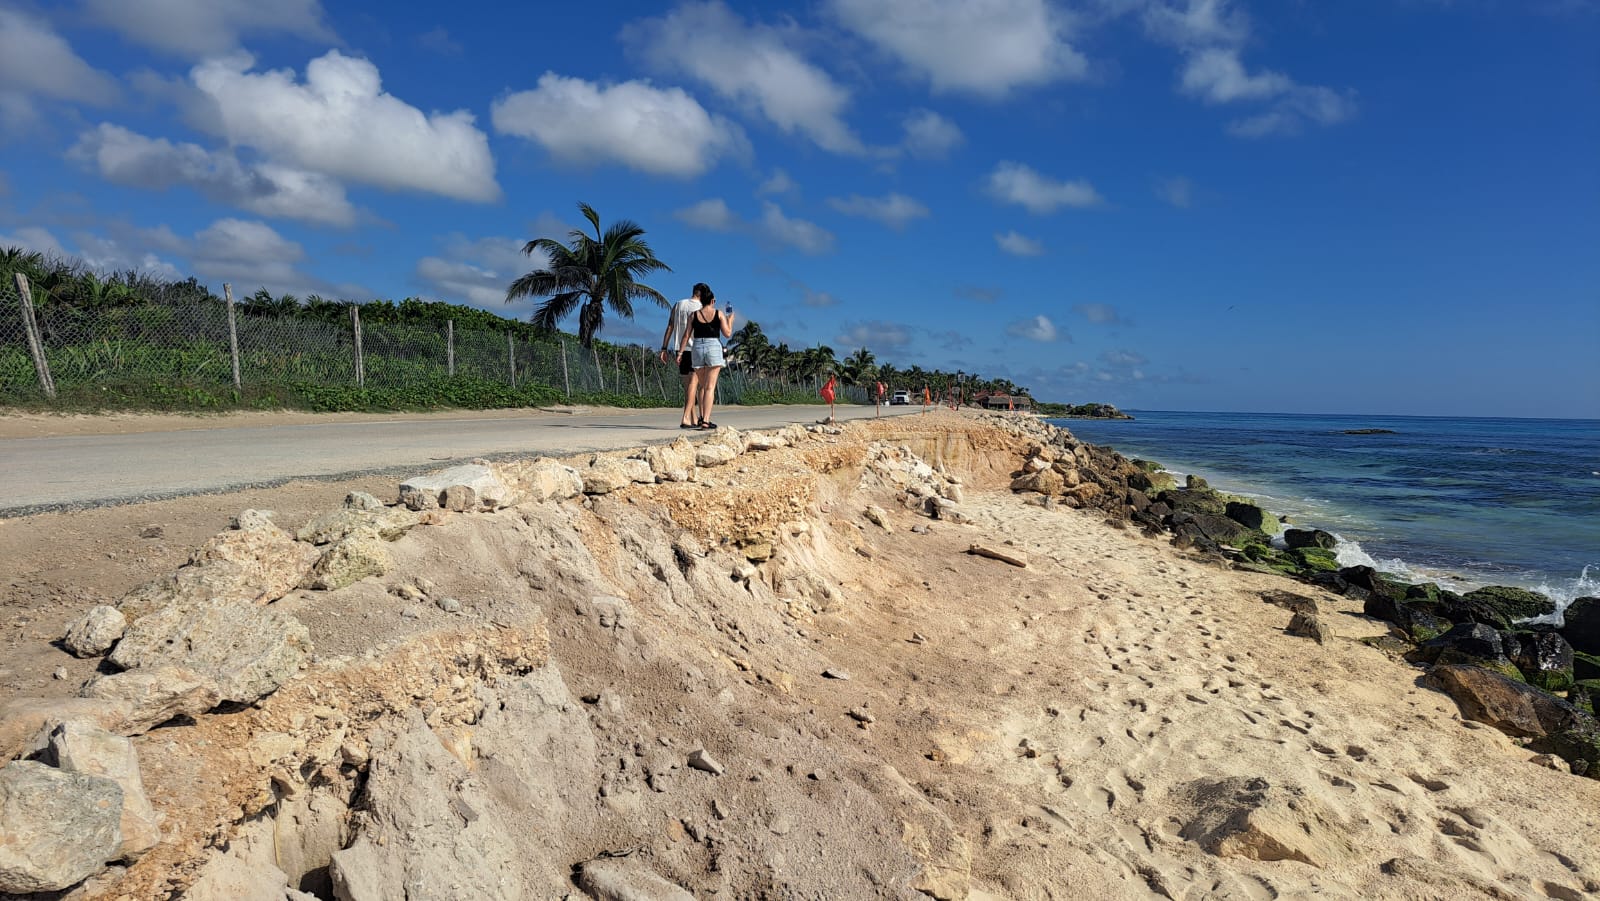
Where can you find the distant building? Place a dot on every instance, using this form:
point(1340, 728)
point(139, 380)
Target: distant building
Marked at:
point(1008, 402)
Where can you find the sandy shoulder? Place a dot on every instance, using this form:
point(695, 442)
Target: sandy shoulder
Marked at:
point(20, 424)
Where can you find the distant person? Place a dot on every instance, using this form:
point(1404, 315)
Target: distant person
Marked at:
point(677, 324)
point(827, 394)
point(707, 328)
point(927, 399)
point(879, 392)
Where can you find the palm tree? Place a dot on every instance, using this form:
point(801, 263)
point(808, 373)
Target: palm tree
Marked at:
point(600, 271)
point(858, 367)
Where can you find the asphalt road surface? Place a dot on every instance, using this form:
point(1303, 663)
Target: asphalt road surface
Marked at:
point(62, 473)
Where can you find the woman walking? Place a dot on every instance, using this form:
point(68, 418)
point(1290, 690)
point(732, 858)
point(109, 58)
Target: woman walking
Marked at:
point(827, 394)
point(703, 340)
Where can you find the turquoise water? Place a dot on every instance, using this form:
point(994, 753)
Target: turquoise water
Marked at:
point(1463, 501)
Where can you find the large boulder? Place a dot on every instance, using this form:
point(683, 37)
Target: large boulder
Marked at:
point(1221, 529)
point(354, 557)
point(620, 879)
point(1194, 500)
point(1472, 643)
point(671, 462)
point(149, 697)
point(1298, 538)
point(550, 480)
point(334, 525)
point(1315, 559)
point(710, 454)
point(1466, 609)
point(1582, 625)
point(95, 632)
point(56, 828)
point(426, 492)
point(1252, 516)
point(605, 476)
point(1516, 603)
point(1543, 656)
point(1046, 481)
point(245, 651)
point(1513, 707)
point(79, 747)
point(25, 723)
point(263, 557)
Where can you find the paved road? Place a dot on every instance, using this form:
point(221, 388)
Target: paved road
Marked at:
point(40, 474)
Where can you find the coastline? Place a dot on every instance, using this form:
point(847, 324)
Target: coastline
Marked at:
point(749, 658)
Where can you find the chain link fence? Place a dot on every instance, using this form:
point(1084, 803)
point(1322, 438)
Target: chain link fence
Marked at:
point(194, 352)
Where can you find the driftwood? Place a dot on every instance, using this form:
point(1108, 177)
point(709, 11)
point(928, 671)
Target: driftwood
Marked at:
point(1015, 558)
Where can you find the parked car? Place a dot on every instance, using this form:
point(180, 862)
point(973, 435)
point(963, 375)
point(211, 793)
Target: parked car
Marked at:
point(899, 398)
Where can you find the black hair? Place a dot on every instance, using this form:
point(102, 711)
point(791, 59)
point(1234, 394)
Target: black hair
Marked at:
point(704, 292)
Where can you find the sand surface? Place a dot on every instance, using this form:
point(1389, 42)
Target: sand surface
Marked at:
point(1055, 731)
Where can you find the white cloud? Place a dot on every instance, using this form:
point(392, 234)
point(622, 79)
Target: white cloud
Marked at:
point(37, 62)
point(1035, 328)
point(1019, 184)
point(751, 65)
point(477, 273)
point(893, 210)
point(1322, 106)
point(109, 255)
point(986, 48)
point(874, 333)
point(1098, 313)
point(711, 214)
point(1123, 358)
point(1178, 191)
point(778, 183)
point(817, 299)
point(127, 158)
point(930, 135)
point(1216, 75)
point(807, 237)
point(196, 28)
point(773, 227)
point(340, 122)
point(34, 238)
point(661, 131)
point(1196, 23)
point(1018, 245)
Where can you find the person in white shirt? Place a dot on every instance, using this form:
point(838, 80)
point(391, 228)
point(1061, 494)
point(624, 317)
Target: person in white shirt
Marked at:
point(677, 324)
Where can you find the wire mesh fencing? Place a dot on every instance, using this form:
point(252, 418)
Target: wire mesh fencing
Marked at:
point(198, 351)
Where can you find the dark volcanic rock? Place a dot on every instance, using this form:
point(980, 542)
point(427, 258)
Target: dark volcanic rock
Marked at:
point(1510, 706)
point(1297, 538)
point(1543, 656)
point(1369, 431)
point(1472, 643)
point(1517, 603)
point(1315, 558)
point(1468, 609)
point(1250, 516)
point(1416, 620)
point(1190, 500)
point(1223, 530)
point(1582, 629)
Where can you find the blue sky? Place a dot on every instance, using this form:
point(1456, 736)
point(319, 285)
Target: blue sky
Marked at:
point(1374, 206)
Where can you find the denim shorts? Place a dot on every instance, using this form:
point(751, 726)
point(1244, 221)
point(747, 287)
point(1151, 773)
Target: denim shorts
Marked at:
point(706, 352)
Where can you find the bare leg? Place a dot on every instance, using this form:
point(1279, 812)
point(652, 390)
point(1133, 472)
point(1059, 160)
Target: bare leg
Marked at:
point(688, 400)
point(708, 390)
point(691, 386)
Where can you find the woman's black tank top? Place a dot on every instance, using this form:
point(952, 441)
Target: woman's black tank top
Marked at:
point(704, 329)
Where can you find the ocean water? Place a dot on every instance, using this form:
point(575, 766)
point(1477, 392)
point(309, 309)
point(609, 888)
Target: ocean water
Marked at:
point(1465, 502)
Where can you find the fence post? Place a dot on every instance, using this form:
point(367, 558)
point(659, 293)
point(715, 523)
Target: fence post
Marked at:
point(361, 366)
point(565, 379)
point(450, 347)
point(511, 357)
point(598, 372)
point(233, 334)
point(638, 375)
point(41, 366)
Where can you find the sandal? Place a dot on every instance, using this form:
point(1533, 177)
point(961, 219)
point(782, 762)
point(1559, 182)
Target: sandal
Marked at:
point(708, 426)
point(688, 425)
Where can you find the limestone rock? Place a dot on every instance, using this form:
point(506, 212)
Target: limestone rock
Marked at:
point(1504, 703)
point(713, 455)
point(1254, 819)
point(878, 517)
point(703, 761)
point(606, 476)
point(150, 697)
point(425, 492)
point(95, 632)
point(729, 438)
point(360, 554)
point(265, 561)
point(326, 528)
point(671, 462)
point(763, 441)
point(79, 747)
point(458, 498)
point(361, 500)
point(548, 480)
point(25, 723)
point(253, 521)
point(1015, 558)
point(619, 879)
point(56, 828)
point(1047, 482)
point(225, 877)
point(244, 650)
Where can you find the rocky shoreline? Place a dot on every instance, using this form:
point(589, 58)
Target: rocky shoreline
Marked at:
point(368, 704)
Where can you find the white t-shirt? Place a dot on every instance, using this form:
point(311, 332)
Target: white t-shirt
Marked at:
point(681, 311)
